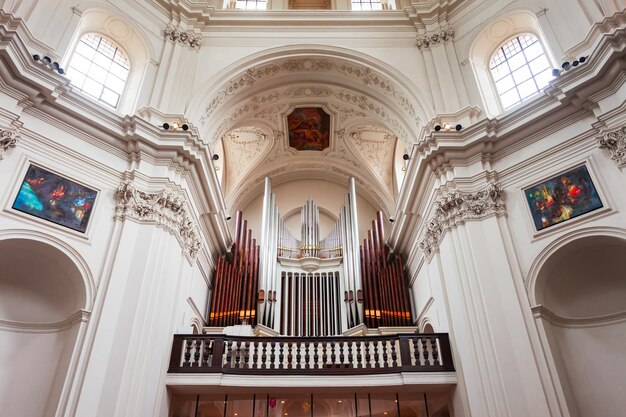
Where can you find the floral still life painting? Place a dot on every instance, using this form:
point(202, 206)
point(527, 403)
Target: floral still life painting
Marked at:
point(309, 129)
point(51, 197)
point(562, 197)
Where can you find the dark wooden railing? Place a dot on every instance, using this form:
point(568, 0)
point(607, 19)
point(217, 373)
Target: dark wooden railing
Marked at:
point(311, 355)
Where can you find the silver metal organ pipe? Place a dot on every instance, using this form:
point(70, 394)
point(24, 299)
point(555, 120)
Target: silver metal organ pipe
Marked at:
point(355, 255)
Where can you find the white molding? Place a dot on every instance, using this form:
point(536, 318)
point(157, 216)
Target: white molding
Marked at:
point(50, 327)
point(541, 312)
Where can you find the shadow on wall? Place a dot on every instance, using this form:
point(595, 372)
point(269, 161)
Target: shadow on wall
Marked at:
point(581, 297)
point(42, 293)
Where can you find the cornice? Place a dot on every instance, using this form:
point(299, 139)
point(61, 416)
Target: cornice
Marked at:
point(48, 96)
point(166, 209)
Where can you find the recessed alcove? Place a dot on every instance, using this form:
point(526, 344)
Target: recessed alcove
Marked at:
point(582, 293)
point(41, 297)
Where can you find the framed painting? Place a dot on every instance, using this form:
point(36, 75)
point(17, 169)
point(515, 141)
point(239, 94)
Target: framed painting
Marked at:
point(562, 197)
point(51, 197)
point(309, 129)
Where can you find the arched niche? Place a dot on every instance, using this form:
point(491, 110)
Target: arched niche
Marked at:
point(580, 292)
point(43, 297)
point(489, 39)
point(117, 28)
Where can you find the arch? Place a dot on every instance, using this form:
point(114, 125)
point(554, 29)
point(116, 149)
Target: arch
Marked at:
point(231, 82)
point(579, 298)
point(109, 23)
point(45, 293)
point(494, 34)
point(425, 325)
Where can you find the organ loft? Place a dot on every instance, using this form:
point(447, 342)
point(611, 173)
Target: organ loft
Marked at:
point(310, 285)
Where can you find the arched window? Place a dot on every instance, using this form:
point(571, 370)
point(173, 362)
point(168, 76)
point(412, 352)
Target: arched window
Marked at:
point(251, 4)
point(520, 69)
point(367, 5)
point(99, 68)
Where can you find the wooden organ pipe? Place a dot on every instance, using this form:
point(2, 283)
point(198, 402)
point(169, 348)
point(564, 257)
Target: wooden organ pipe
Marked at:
point(234, 295)
point(386, 297)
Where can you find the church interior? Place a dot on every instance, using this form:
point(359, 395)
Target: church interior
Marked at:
point(312, 208)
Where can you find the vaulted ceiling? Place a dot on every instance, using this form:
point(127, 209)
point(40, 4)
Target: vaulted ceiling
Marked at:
point(374, 118)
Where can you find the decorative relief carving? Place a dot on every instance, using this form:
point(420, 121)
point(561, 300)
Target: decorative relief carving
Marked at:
point(615, 143)
point(8, 139)
point(364, 74)
point(376, 146)
point(456, 208)
point(176, 34)
point(165, 209)
point(435, 38)
point(243, 147)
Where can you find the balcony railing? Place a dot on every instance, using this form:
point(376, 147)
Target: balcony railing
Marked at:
point(311, 355)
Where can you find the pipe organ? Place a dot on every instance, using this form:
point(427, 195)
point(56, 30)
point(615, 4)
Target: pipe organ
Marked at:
point(310, 286)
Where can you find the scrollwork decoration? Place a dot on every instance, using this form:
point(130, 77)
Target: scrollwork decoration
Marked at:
point(457, 208)
point(165, 209)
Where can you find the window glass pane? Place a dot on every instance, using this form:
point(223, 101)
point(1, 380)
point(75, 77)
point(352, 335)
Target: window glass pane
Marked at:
point(211, 406)
point(438, 404)
point(384, 405)
point(331, 405)
point(105, 65)
point(76, 77)
point(412, 405)
point(543, 78)
point(527, 88)
point(505, 84)
point(110, 97)
point(81, 64)
point(366, 5)
point(538, 65)
point(183, 406)
point(510, 98)
point(97, 73)
point(251, 4)
point(517, 61)
point(85, 50)
point(521, 74)
point(102, 61)
point(533, 51)
point(520, 69)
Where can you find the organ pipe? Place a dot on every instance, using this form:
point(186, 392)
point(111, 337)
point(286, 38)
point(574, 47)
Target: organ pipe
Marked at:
point(386, 301)
point(235, 281)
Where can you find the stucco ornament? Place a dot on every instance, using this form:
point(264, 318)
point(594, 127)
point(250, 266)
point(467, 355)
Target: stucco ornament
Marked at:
point(176, 34)
point(457, 208)
point(165, 209)
point(435, 38)
point(8, 139)
point(615, 143)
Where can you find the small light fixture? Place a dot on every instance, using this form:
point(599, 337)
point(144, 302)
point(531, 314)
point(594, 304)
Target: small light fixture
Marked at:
point(556, 72)
point(166, 126)
point(175, 126)
point(227, 219)
point(405, 157)
point(46, 60)
point(215, 157)
point(391, 220)
point(566, 65)
point(437, 128)
point(458, 127)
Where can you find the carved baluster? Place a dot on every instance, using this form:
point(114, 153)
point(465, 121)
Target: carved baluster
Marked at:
point(307, 355)
point(273, 355)
point(333, 356)
point(281, 356)
point(394, 355)
point(196, 352)
point(229, 354)
point(425, 351)
point(255, 355)
point(435, 349)
point(188, 342)
point(385, 354)
point(237, 348)
point(376, 356)
point(298, 354)
point(359, 354)
point(341, 355)
point(324, 356)
point(206, 356)
point(416, 352)
point(368, 356)
point(263, 355)
point(351, 347)
point(316, 356)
